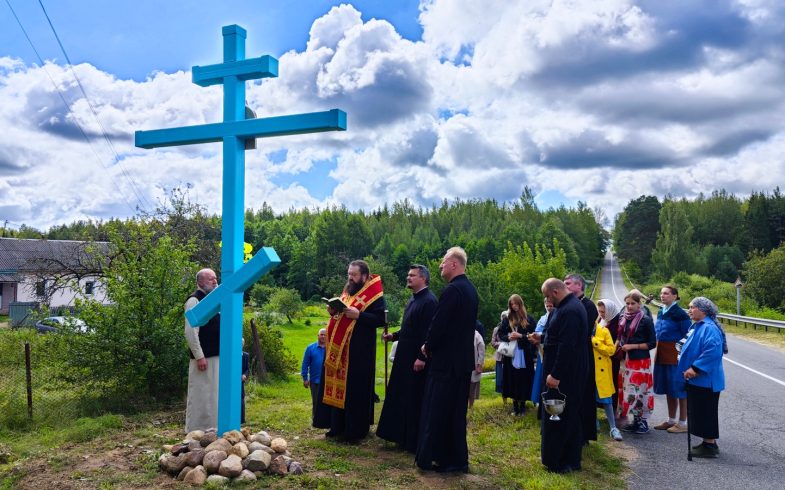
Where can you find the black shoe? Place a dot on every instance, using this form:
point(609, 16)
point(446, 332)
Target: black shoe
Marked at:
point(705, 450)
point(333, 434)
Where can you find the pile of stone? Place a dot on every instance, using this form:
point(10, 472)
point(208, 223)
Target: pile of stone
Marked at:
point(236, 456)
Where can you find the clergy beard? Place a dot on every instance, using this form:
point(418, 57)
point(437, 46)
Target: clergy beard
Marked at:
point(353, 287)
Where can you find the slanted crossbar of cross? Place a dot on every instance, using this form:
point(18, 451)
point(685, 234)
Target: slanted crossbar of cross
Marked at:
point(227, 298)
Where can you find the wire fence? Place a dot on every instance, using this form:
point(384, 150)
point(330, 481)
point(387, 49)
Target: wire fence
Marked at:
point(30, 392)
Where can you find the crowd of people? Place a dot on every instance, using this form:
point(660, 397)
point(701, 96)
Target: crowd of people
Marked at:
point(587, 355)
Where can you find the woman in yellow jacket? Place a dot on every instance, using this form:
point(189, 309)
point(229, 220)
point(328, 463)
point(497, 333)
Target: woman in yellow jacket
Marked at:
point(604, 348)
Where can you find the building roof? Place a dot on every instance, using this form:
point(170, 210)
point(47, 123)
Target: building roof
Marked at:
point(25, 255)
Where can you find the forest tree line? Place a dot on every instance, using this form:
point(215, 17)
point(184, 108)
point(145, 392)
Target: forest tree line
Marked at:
point(719, 237)
point(511, 246)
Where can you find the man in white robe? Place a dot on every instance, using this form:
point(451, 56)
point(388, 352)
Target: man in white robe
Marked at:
point(201, 410)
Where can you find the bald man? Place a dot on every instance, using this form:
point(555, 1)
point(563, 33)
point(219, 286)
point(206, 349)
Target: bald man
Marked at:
point(564, 368)
point(204, 343)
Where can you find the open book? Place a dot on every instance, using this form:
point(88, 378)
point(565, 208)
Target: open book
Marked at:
point(336, 304)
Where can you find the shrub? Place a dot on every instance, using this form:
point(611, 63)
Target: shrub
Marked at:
point(278, 359)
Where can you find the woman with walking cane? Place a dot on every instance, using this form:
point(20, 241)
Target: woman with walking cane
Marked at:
point(700, 362)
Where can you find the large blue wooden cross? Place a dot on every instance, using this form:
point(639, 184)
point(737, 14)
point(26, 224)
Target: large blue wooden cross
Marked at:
point(233, 131)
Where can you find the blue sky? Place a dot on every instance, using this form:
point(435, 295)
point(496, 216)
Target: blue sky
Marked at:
point(130, 39)
point(598, 101)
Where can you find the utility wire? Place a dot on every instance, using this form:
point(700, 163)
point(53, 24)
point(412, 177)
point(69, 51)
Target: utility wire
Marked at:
point(65, 102)
point(139, 195)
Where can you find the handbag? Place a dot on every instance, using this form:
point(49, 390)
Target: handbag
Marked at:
point(507, 348)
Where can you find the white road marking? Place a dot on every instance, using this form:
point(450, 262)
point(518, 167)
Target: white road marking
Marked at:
point(613, 283)
point(754, 371)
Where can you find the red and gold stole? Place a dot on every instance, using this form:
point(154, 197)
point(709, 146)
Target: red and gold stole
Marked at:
point(339, 334)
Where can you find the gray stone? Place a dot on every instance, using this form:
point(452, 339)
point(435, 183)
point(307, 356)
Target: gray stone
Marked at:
point(231, 467)
point(240, 449)
point(172, 464)
point(233, 436)
point(246, 432)
point(279, 445)
point(262, 437)
point(184, 472)
point(195, 435)
point(212, 460)
point(217, 480)
point(167, 448)
point(194, 458)
point(295, 468)
point(244, 477)
point(287, 459)
point(268, 450)
point(208, 438)
point(196, 476)
point(194, 445)
point(255, 446)
point(219, 445)
point(257, 461)
point(278, 466)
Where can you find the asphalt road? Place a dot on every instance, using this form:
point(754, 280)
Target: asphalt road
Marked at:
point(752, 422)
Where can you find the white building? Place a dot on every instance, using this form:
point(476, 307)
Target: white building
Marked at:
point(32, 271)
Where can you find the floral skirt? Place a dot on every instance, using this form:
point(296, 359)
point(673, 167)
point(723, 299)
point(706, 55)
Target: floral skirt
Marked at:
point(635, 383)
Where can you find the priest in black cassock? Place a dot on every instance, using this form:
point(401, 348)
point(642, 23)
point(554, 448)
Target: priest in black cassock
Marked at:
point(400, 419)
point(345, 400)
point(449, 347)
point(576, 284)
point(564, 367)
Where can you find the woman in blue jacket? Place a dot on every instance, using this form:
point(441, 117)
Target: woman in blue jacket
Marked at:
point(672, 325)
point(700, 363)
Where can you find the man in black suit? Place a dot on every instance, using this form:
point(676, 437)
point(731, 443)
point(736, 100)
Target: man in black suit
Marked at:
point(576, 284)
point(564, 368)
point(449, 347)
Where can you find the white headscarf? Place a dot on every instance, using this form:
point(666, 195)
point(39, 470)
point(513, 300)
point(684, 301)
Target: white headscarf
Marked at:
point(611, 310)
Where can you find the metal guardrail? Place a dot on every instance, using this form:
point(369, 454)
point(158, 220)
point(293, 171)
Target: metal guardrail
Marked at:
point(755, 322)
point(735, 319)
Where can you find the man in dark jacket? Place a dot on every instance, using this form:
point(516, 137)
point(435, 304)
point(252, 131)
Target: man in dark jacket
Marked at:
point(576, 284)
point(449, 347)
point(400, 418)
point(564, 368)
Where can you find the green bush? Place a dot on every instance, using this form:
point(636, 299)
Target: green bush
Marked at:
point(278, 359)
point(135, 353)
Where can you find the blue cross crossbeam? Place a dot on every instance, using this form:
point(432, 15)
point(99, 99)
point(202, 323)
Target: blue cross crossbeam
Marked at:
point(259, 265)
point(314, 122)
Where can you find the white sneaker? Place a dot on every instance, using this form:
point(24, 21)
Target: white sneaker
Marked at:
point(616, 434)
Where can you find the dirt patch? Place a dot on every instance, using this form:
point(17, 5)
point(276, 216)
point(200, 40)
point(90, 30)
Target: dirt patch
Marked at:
point(120, 460)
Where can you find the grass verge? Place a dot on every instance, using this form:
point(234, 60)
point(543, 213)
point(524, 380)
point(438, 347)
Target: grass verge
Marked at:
point(121, 451)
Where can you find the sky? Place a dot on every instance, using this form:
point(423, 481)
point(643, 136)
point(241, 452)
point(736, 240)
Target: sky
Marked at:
point(596, 101)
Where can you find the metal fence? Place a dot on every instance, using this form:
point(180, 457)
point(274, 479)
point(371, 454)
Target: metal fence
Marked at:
point(29, 390)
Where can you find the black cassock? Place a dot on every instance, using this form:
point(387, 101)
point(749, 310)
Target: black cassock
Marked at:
point(565, 359)
point(355, 419)
point(589, 407)
point(400, 418)
point(450, 347)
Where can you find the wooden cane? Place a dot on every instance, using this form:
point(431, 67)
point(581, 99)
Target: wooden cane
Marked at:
point(386, 357)
point(689, 423)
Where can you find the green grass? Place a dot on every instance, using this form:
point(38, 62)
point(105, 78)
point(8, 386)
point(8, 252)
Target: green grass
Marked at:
point(504, 451)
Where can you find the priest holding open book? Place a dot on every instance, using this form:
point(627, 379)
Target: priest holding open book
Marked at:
point(345, 404)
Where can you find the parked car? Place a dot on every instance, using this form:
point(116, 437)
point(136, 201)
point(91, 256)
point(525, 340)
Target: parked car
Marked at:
point(55, 323)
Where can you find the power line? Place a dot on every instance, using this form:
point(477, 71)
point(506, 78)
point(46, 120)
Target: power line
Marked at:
point(134, 187)
point(65, 102)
